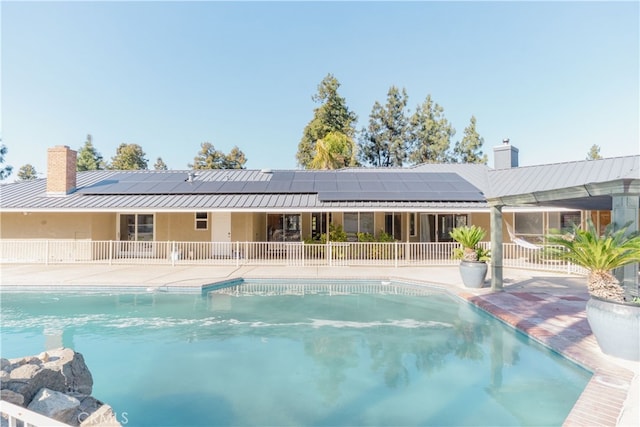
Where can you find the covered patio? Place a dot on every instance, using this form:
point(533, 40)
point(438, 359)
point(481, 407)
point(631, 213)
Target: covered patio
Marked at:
point(611, 184)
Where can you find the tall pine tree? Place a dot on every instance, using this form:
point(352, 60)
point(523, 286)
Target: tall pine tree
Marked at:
point(27, 173)
point(430, 134)
point(384, 142)
point(210, 158)
point(89, 159)
point(332, 115)
point(469, 150)
point(5, 170)
point(129, 157)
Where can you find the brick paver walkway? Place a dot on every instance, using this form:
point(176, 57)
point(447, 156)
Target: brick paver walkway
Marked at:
point(560, 322)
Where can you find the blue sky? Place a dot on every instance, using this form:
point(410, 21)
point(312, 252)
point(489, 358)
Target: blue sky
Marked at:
point(554, 77)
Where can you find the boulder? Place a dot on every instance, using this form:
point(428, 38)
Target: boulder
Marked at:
point(65, 371)
point(103, 417)
point(4, 363)
point(12, 397)
point(73, 367)
point(57, 383)
point(56, 405)
point(27, 379)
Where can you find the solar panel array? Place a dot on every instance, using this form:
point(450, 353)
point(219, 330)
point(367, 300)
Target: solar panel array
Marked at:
point(330, 186)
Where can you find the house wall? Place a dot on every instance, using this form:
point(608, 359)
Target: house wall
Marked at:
point(103, 226)
point(242, 227)
point(259, 221)
point(481, 219)
point(180, 227)
point(46, 226)
point(306, 225)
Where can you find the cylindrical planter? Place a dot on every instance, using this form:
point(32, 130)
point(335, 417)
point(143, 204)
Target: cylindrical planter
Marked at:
point(473, 273)
point(616, 327)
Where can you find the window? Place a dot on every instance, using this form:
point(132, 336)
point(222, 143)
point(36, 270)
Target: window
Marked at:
point(357, 222)
point(412, 224)
point(569, 219)
point(447, 222)
point(319, 224)
point(393, 225)
point(136, 227)
point(202, 220)
point(283, 227)
point(528, 223)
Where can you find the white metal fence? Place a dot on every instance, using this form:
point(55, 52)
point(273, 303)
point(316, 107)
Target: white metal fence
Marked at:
point(17, 416)
point(394, 254)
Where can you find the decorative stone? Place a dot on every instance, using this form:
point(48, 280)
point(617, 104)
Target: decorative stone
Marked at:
point(65, 372)
point(56, 384)
point(56, 405)
point(103, 417)
point(73, 368)
point(12, 397)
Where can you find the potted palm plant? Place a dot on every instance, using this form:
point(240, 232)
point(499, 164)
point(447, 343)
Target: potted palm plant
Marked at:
point(473, 264)
point(613, 317)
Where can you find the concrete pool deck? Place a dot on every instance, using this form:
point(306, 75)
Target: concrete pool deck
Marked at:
point(549, 307)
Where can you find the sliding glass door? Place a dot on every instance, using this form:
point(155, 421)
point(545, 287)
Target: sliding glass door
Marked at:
point(134, 231)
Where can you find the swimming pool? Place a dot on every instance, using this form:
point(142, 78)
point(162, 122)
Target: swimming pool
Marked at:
point(296, 354)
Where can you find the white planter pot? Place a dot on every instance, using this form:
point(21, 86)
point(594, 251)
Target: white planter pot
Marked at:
point(473, 273)
point(616, 327)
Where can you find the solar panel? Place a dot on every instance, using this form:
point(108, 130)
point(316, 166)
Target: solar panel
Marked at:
point(329, 185)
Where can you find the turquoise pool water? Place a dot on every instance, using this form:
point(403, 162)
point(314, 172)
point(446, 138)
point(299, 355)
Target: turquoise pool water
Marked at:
point(288, 357)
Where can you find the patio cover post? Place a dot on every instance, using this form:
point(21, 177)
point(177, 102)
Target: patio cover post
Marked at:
point(496, 247)
point(625, 210)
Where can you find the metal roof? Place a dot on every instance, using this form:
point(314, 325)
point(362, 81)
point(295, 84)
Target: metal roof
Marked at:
point(425, 187)
point(330, 186)
point(532, 179)
point(244, 190)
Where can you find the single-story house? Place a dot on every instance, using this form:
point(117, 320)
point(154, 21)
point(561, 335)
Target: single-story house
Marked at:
point(420, 204)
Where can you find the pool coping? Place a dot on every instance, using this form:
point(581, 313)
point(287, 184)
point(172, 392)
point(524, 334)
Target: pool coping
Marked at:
point(602, 402)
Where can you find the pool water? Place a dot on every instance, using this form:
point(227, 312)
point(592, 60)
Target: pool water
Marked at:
point(236, 357)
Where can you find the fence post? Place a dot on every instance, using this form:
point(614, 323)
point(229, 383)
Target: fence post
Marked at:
point(46, 252)
point(395, 253)
point(173, 254)
point(303, 253)
point(110, 251)
point(237, 253)
point(329, 253)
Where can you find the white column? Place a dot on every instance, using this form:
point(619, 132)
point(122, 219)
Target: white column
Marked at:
point(625, 210)
point(496, 247)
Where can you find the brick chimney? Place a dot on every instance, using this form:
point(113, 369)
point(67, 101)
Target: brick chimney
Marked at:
point(505, 156)
point(61, 170)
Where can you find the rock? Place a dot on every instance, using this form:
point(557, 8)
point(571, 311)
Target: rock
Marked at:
point(89, 404)
point(4, 363)
point(57, 383)
point(74, 369)
point(103, 417)
point(64, 372)
point(12, 397)
point(56, 405)
point(27, 379)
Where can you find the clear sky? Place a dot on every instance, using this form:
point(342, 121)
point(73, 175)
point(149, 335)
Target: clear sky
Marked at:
point(554, 77)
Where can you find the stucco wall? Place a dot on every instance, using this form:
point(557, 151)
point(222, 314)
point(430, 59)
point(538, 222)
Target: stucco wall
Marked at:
point(46, 226)
point(482, 220)
point(180, 227)
point(242, 226)
point(103, 226)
